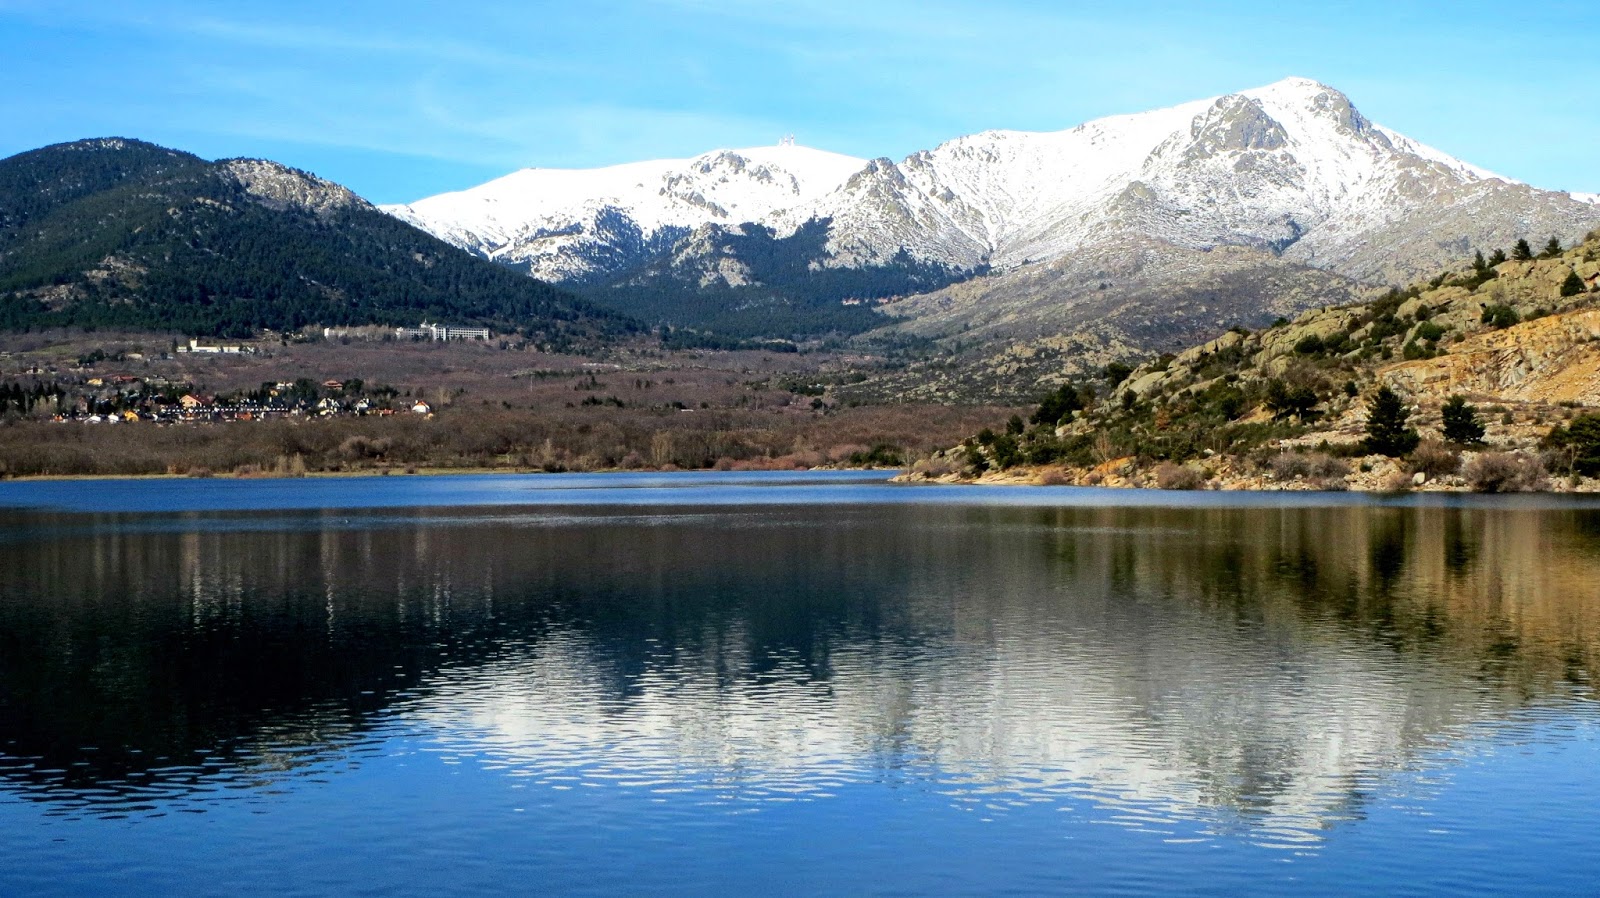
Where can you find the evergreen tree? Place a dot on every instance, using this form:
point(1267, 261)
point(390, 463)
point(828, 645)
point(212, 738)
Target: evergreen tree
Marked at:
point(1298, 401)
point(1551, 249)
point(1497, 257)
point(1573, 285)
point(1461, 424)
point(1582, 437)
point(1387, 433)
point(1522, 252)
point(1479, 263)
point(1057, 406)
point(1115, 373)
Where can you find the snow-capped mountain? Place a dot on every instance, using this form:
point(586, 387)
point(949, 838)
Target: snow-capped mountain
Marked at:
point(1291, 166)
point(572, 225)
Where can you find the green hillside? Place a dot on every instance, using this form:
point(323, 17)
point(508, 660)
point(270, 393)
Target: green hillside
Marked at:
point(121, 233)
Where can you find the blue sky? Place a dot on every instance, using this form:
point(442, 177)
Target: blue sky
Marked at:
point(402, 99)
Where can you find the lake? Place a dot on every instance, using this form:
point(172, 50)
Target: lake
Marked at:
point(785, 684)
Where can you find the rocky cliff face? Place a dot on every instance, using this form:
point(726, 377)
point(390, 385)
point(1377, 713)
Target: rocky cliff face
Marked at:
point(279, 187)
point(1554, 357)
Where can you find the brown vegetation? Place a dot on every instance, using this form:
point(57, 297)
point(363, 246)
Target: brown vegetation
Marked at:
point(1171, 476)
point(1505, 472)
point(1433, 459)
point(484, 437)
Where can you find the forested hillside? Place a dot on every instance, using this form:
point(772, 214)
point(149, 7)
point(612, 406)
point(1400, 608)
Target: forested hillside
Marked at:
point(121, 233)
point(748, 282)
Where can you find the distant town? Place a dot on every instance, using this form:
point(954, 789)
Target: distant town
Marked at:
point(123, 398)
point(76, 393)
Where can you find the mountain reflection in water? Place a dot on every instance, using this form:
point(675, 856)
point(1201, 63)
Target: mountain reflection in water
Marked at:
point(1260, 670)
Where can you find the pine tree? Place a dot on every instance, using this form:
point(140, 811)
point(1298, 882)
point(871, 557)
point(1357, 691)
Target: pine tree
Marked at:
point(1497, 257)
point(1387, 433)
point(1479, 263)
point(1573, 285)
point(1551, 249)
point(1522, 252)
point(1582, 437)
point(1461, 424)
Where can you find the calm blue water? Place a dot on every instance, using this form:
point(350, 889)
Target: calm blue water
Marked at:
point(692, 684)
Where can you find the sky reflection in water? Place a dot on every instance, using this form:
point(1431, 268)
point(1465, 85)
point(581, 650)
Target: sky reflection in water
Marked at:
point(841, 695)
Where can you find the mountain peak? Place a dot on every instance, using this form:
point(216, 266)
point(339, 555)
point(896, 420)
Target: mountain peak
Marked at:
point(1291, 167)
point(1294, 84)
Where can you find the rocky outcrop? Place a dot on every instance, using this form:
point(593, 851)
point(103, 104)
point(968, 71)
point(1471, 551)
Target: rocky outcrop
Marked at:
point(1552, 359)
point(280, 187)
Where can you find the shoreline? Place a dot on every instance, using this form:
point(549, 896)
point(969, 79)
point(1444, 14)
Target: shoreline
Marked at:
point(1382, 476)
point(424, 472)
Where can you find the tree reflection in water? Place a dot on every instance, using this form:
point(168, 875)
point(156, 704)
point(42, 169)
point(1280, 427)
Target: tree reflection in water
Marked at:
point(1253, 667)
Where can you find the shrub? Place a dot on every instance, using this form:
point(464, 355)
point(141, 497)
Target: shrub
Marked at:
point(1007, 452)
point(1397, 482)
point(1434, 459)
point(1309, 345)
point(1309, 466)
point(937, 466)
point(1299, 401)
point(1429, 332)
point(1171, 476)
point(360, 446)
point(881, 455)
point(1054, 475)
point(1499, 315)
point(1504, 472)
point(1414, 350)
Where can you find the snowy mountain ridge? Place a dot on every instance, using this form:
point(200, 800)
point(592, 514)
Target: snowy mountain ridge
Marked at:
point(550, 220)
point(1292, 168)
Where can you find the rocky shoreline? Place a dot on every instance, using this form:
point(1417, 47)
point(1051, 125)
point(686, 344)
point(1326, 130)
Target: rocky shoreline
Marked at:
point(1371, 474)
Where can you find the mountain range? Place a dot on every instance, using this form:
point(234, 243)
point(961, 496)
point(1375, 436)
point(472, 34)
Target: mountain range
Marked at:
point(1240, 207)
point(1007, 258)
point(120, 233)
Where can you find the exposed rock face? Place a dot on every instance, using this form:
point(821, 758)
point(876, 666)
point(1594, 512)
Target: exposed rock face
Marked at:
point(1551, 359)
point(280, 187)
